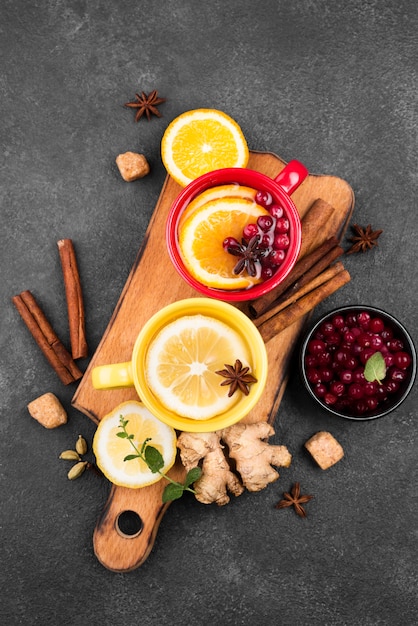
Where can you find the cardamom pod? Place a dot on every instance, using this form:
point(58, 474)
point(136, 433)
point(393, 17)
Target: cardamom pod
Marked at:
point(70, 455)
point(77, 470)
point(81, 445)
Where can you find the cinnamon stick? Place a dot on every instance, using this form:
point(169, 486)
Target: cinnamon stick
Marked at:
point(74, 297)
point(260, 306)
point(316, 226)
point(55, 352)
point(299, 289)
point(301, 307)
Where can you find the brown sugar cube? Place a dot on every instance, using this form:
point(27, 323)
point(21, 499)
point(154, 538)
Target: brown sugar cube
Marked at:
point(48, 411)
point(324, 449)
point(132, 166)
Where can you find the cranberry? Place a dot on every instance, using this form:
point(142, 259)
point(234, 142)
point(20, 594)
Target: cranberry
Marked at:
point(276, 257)
point(397, 374)
point(361, 407)
point(267, 272)
point(337, 388)
point(370, 388)
point(376, 325)
point(351, 319)
point(330, 398)
point(346, 376)
point(363, 319)
point(372, 403)
point(355, 390)
point(326, 374)
point(338, 321)
point(358, 375)
point(389, 359)
point(282, 225)
point(402, 360)
point(324, 358)
point(364, 340)
point(386, 334)
point(392, 386)
point(250, 230)
point(350, 363)
point(316, 346)
point(264, 198)
point(320, 390)
point(266, 240)
point(395, 345)
point(276, 210)
point(311, 360)
point(265, 222)
point(281, 242)
point(349, 336)
point(376, 342)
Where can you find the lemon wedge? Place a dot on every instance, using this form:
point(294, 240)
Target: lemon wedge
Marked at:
point(110, 450)
point(182, 361)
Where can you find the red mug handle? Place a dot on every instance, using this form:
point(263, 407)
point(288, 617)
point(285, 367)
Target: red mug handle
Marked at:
point(291, 176)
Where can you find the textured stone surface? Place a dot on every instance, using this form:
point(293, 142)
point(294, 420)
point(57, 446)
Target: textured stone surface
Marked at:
point(333, 84)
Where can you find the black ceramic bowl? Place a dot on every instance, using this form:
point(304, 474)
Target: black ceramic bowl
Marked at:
point(334, 353)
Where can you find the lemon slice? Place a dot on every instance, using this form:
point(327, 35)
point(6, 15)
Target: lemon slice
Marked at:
point(110, 450)
point(200, 141)
point(202, 235)
point(182, 360)
point(215, 193)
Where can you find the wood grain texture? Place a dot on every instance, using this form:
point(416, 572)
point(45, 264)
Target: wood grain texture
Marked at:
point(152, 284)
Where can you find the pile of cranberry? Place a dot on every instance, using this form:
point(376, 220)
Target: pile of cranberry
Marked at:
point(336, 356)
point(264, 244)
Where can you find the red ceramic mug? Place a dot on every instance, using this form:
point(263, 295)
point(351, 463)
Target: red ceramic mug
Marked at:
point(280, 189)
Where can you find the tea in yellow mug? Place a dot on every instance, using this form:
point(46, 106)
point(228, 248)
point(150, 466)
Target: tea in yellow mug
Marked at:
point(185, 316)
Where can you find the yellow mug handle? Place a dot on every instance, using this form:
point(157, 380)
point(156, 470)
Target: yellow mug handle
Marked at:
point(113, 376)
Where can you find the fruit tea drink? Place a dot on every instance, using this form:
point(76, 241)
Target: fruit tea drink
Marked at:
point(234, 236)
point(220, 205)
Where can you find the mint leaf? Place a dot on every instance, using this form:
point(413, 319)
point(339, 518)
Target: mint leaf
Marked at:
point(375, 368)
point(192, 475)
point(130, 457)
point(154, 459)
point(173, 491)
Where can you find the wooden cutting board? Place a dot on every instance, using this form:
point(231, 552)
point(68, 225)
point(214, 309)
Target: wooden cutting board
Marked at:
point(152, 284)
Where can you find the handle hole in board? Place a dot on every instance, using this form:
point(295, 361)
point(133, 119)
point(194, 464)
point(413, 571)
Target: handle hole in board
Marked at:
point(129, 524)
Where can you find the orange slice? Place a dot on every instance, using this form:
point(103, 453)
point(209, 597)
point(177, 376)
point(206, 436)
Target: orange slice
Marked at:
point(200, 141)
point(202, 235)
point(215, 193)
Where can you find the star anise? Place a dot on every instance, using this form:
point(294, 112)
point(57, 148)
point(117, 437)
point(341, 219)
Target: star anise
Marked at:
point(237, 377)
point(294, 499)
point(363, 239)
point(249, 252)
point(146, 104)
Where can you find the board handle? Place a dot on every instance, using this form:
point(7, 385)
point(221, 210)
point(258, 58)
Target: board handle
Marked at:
point(127, 528)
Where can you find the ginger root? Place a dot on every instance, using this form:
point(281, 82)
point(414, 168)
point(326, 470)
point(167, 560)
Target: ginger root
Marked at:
point(216, 477)
point(253, 459)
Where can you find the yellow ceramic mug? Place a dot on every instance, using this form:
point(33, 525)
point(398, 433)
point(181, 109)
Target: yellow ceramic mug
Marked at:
point(132, 373)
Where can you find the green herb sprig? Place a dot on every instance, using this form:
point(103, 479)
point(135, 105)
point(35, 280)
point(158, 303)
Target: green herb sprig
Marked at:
point(155, 462)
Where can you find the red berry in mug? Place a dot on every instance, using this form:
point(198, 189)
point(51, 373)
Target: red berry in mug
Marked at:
point(276, 210)
point(264, 198)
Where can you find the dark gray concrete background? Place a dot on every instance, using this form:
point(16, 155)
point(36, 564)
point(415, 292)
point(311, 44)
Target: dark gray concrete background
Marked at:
point(333, 84)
